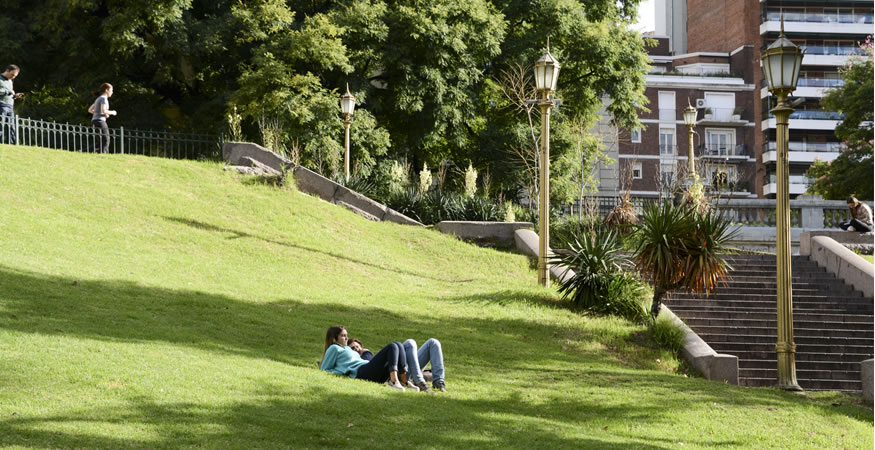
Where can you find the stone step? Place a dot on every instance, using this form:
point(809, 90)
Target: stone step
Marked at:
point(803, 364)
point(806, 332)
point(803, 374)
point(737, 288)
point(770, 268)
point(766, 305)
point(808, 385)
point(823, 285)
point(832, 341)
point(771, 274)
point(737, 348)
point(809, 301)
point(763, 313)
point(694, 322)
point(806, 319)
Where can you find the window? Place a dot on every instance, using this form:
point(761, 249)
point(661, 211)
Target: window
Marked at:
point(719, 142)
point(666, 141)
point(635, 136)
point(666, 173)
point(637, 173)
point(667, 106)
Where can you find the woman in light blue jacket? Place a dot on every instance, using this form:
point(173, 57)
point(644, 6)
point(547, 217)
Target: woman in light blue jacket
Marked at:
point(340, 359)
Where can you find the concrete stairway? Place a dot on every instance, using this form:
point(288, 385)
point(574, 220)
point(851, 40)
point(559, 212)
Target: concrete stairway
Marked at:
point(832, 323)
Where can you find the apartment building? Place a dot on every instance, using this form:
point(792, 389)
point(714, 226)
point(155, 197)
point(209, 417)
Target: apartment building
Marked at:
point(652, 161)
point(828, 32)
point(717, 67)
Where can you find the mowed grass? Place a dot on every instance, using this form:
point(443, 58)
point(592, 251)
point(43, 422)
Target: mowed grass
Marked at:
point(156, 303)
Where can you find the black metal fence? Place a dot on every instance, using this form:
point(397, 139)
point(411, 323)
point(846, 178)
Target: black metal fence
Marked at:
point(84, 138)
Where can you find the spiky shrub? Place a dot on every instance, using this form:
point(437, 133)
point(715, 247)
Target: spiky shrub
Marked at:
point(564, 232)
point(679, 248)
point(622, 216)
point(595, 259)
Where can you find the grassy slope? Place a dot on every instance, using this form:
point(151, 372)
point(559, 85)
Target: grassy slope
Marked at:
point(148, 302)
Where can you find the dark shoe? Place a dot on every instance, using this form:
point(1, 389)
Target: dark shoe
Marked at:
point(427, 375)
point(424, 388)
point(439, 385)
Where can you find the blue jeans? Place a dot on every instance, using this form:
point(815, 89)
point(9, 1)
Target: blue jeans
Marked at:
point(389, 359)
point(417, 359)
point(7, 122)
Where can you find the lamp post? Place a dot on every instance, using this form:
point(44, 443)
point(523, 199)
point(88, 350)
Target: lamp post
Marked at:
point(690, 120)
point(347, 106)
point(546, 72)
point(781, 62)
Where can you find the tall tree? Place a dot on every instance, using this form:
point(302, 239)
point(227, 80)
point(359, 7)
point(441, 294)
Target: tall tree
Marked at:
point(851, 173)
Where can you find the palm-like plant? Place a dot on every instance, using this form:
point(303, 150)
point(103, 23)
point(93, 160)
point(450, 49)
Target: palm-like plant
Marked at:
point(595, 259)
point(680, 248)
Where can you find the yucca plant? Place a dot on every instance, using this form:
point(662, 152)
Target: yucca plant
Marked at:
point(622, 216)
point(679, 248)
point(595, 259)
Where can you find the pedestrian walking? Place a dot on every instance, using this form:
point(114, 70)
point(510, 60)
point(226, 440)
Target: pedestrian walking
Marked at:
point(7, 103)
point(99, 113)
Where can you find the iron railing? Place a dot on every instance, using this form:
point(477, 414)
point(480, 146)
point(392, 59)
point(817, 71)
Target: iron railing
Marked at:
point(83, 138)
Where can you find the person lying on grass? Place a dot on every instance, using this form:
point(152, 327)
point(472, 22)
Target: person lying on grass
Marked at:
point(417, 359)
point(342, 360)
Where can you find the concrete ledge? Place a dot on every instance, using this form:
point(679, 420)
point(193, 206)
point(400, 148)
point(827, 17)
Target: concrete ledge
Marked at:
point(526, 241)
point(866, 377)
point(361, 202)
point(845, 264)
point(234, 153)
point(848, 239)
point(713, 366)
point(314, 184)
point(498, 233)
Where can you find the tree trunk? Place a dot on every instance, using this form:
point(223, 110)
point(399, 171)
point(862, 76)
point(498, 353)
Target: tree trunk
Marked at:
point(657, 302)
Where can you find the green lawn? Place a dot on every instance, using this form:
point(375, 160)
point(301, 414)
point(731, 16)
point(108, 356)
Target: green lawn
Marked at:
point(156, 303)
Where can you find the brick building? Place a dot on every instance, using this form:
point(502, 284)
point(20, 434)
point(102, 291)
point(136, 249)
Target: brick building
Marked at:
point(728, 36)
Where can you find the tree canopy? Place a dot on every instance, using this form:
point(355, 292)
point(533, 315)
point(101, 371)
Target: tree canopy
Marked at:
point(424, 72)
point(851, 172)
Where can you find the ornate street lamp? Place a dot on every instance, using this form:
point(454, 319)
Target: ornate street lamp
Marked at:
point(690, 119)
point(546, 72)
point(347, 106)
point(781, 62)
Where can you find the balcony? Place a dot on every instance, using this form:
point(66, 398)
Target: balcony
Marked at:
point(821, 147)
point(817, 82)
point(820, 23)
point(724, 152)
point(668, 150)
point(798, 184)
point(722, 116)
point(791, 16)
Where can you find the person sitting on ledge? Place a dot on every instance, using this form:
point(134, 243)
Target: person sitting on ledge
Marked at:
point(861, 217)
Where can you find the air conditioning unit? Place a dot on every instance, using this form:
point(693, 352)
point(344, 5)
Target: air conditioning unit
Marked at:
point(700, 103)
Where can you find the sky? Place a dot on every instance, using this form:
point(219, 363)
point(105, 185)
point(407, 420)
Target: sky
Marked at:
point(647, 13)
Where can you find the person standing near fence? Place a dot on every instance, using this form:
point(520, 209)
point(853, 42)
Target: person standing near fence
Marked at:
point(7, 102)
point(99, 113)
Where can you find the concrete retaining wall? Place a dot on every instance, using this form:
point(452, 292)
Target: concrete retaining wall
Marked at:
point(235, 154)
point(712, 365)
point(497, 234)
point(837, 259)
point(315, 184)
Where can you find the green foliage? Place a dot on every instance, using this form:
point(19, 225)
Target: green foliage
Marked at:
point(424, 73)
point(678, 247)
point(567, 230)
point(667, 334)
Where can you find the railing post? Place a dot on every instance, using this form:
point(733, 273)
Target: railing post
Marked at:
point(121, 131)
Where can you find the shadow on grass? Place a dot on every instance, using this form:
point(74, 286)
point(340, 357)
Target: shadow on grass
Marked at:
point(292, 331)
point(236, 234)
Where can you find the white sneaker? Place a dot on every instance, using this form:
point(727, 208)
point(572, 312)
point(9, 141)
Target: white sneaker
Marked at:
point(412, 386)
point(397, 386)
point(852, 229)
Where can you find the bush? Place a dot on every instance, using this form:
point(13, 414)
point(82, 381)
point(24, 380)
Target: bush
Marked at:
point(566, 231)
point(667, 334)
point(627, 297)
